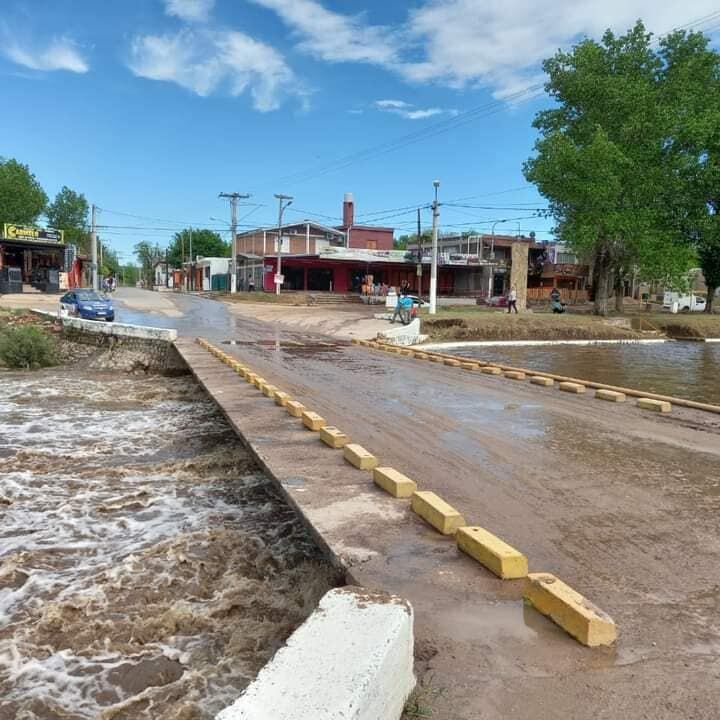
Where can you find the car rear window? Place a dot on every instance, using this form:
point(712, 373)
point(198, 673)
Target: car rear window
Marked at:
point(88, 295)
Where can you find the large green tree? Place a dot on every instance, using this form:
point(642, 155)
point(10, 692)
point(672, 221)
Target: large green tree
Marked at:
point(22, 199)
point(693, 89)
point(69, 212)
point(205, 243)
point(601, 160)
point(147, 254)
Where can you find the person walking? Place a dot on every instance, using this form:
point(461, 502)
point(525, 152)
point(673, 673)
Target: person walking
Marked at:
point(512, 299)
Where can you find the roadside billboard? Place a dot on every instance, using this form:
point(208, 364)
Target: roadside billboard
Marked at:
point(32, 234)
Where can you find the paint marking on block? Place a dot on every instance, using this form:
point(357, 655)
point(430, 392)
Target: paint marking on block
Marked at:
point(497, 556)
point(358, 456)
point(435, 359)
point(571, 387)
point(580, 618)
point(281, 398)
point(545, 382)
point(434, 510)
point(250, 377)
point(514, 375)
point(312, 421)
point(295, 408)
point(491, 370)
point(405, 352)
point(333, 437)
point(451, 362)
point(660, 406)
point(269, 390)
point(469, 366)
point(610, 395)
point(259, 381)
point(394, 482)
point(421, 356)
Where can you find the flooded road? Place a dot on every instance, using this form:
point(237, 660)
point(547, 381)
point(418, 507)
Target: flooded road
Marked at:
point(147, 569)
point(685, 369)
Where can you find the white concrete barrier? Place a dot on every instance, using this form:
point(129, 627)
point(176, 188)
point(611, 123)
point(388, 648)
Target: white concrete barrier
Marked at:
point(403, 334)
point(100, 327)
point(351, 659)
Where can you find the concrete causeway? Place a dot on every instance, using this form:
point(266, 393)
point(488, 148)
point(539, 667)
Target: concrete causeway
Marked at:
point(598, 514)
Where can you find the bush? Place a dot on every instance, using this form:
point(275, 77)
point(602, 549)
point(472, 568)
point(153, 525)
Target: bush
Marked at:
point(26, 347)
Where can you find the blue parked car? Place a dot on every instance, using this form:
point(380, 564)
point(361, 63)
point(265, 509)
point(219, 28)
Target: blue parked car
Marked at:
point(86, 304)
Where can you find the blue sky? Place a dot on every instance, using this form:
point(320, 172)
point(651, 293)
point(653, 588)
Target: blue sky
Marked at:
point(153, 107)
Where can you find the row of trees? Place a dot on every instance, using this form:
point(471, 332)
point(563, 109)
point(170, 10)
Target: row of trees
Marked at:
point(629, 157)
point(23, 201)
point(204, 243)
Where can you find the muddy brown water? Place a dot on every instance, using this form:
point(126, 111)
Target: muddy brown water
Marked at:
point(147, 568)
point(689, 370)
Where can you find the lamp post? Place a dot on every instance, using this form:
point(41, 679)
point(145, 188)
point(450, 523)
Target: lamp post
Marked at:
point(433, 262)
point(281, 208)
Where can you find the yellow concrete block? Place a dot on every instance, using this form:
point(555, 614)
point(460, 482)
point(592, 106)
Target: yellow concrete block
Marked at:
point(514, 375)
point(269, 390)
point(545, 382)
point(258, 381)
point(241, 370)
point(655, 405)
point(250, 377)
point(405, 352)
point(312, 421)
point(281, 398)
point(610, 395)
point(580, 618)
point(433, 509)
point(469, 366)
point(295, 408)
point(435, 358)
point(451, 362)
point(358, 456)
point(421, 356)
point(491, 370)
point(571, 387)
point(333, 437)
point(497, 556)
point(354, 341)
point(394, 482)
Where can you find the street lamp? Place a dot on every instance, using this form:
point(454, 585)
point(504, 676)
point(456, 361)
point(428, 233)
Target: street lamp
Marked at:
point(281, 208)
point(433, 262)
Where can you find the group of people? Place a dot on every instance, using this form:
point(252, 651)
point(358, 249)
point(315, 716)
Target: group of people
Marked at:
point(556, 303)
point(109, 284)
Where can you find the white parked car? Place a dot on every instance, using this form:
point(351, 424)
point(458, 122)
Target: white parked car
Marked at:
point(677, 302)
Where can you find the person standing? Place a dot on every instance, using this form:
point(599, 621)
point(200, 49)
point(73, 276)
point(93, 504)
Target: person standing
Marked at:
point(512, 299)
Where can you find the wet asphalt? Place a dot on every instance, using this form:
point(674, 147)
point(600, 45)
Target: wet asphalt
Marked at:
point(621, 504)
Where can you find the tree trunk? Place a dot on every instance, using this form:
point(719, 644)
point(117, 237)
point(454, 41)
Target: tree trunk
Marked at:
point(601, 283)
point(619, 292)
point(710, 297)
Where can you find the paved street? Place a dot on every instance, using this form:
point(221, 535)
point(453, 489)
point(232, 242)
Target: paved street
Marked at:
point(620, 504)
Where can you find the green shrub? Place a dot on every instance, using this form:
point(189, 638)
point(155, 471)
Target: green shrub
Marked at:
point(26, 347)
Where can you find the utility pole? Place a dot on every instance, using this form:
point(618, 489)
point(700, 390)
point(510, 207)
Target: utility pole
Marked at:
point(233, 197)
point(191, 283)
point(100, 253)
point(281, 207)
point(433, 264)
point(420, 256)
point(93, 251)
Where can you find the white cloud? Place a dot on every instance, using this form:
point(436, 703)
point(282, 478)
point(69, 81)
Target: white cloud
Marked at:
point(409, 111)
point(58, 54)
point(190, 10)
point(335, 37)
point(459, 43)
point(501, 44)
point(205, 61)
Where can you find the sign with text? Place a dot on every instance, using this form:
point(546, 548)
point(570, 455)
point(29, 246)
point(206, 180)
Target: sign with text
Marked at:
point(279, 279)
point(26, 233)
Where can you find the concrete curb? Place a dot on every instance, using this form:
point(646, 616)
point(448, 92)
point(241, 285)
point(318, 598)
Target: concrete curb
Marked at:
point(113, 329)
point(352, 659)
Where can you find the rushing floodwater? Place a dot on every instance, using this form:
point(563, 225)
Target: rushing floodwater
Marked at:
point(684, 369)
point(147, 570)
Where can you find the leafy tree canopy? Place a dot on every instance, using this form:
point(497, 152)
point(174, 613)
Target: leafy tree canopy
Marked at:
point(22, 199)
point(205, 243)
point(604, 157)
point(69, 212)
